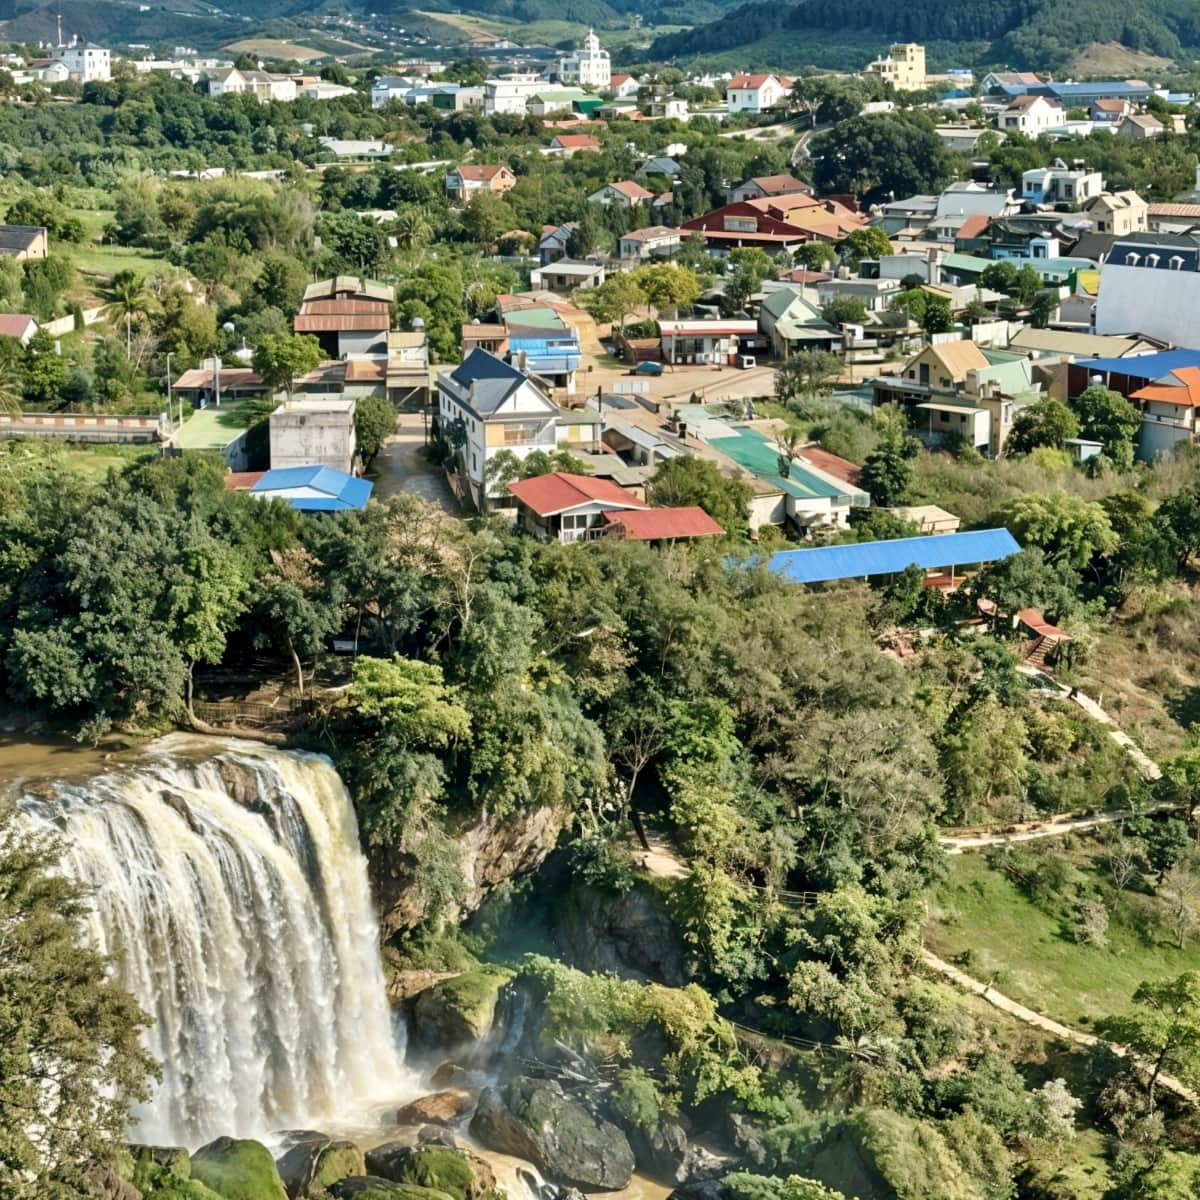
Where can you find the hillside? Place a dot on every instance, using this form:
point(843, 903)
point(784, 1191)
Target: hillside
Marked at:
point(1022, 33)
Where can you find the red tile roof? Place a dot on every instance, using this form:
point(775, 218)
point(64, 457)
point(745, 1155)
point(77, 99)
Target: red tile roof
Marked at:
point(576, 141)
point(15, 324)
point(831, 464)
point(484, 174)
point(1184, 394)
point(973, 226)
point(779, 185)
point(750, 81)
point(655, 524)
point(631, 190)
point(560, 490)
point(242, 481)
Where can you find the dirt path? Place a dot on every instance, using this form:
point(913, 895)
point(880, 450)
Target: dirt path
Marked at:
point(1037, 1020)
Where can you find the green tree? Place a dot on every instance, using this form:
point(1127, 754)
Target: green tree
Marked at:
point(937, 318)
point(128, 301)
point(294, 611)
point(1066, 528)
point(1163, 1029)
point(280, 357)
point(845, 310)
point(485, 217)
point(1106, 416)
point(887, 473)
point(1026, 580)
point(816, 256)
point(1047, 422)
point(689, 480)
point(374, 422)
point(805, 374)
point(868, 242)
point(613, 301)
point(667, 286)
point(71, 1060)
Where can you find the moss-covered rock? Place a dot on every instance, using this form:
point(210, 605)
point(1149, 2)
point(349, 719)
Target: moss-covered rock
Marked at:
point(238, 1169)
point(372, 1187)
point(459, 1010)
point(458, 1174)
point(313, 1161)
point(165, 1173)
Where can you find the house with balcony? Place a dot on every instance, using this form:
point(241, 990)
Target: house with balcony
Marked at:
point(1170, 408)
point(1060, 184)
point(719, 343)
point(494, 406)
point(542, 342)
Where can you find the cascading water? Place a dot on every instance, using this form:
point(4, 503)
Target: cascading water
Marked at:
point(231, 889)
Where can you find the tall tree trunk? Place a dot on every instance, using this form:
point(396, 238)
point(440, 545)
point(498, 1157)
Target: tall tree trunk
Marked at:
point(299, 667)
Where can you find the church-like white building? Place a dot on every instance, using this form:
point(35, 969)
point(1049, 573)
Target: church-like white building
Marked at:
point(589, 66)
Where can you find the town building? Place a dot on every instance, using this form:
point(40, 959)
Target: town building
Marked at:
point(313, 430)
point(24, 242)
point(387, 88)
point(625, 193)
point(510, 93)
point(1031, 116)
point(588, 65)
point(1060, 184)
point(655, 241)
point(903, 67)
point(1140, 126)
point(313, 489)
point(565, 275)
point(568, 144)
point(407, 374)
point(347, 315)
point(262, 85)
point(623, 87)
point(20, 326)
point(1150, 284)
point(1119, 213)
point(775, 223)
point(715, 342)
point(85, 62)
point(768, 185)
point(756, 93)
point(462, 182)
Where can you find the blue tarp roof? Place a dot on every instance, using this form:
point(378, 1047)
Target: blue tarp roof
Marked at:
point(339, 491)
point(886, 558)
point(1144, 366)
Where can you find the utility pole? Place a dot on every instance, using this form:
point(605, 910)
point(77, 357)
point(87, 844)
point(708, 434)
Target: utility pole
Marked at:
point(170, 406)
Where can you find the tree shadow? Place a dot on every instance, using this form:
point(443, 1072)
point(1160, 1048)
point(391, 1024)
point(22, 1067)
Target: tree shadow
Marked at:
point(1184, 707)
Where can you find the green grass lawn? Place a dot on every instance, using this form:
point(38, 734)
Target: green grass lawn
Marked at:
point(1032, 956)
point(91, 257)
point(93, 463)
point(214, 428)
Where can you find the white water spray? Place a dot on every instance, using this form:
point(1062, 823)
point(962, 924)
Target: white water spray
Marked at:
point(243, 925)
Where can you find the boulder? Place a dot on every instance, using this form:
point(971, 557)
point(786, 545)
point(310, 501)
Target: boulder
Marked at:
point(106, 1183)
point(458, 1174)
point(662, 1152)
point(372, 1187)
point(315, 1161)
point(460, 1011)
point(451, 1075)
point(439, 1108)
point(534, 1119)
point(165, 1170)
point(238, 1169)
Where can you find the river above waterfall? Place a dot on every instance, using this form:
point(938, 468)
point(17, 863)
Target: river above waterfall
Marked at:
point(229, 886)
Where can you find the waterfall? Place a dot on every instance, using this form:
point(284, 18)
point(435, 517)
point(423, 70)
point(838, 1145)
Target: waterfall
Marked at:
point(231, 890)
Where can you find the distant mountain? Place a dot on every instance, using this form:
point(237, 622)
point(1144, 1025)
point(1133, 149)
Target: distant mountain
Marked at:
point(1025, 34)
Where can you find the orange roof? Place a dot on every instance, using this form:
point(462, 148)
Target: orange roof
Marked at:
point(662, 524)
point(1032, 618)
point(617, 80)
point(831, 464)
point(559, 491)
point(631, 190)
point(484, 174)
point(960, 357)
point(241, 481)
point(973, 226)
point(365, 370)
point(779, 185)
point(1184, 394)
point(576, 141)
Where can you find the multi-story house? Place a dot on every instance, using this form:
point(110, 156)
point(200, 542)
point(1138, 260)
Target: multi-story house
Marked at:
point(588, 66)
point(756, 93)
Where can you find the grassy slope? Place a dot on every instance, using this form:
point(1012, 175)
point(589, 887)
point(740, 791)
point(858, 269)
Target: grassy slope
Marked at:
point(1031, 955)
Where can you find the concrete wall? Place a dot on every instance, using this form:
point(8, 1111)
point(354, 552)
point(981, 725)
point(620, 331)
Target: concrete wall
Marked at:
point(308, 438)
point(79, 427)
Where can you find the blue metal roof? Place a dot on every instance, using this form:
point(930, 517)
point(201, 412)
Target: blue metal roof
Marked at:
point(1144, 366)
point(886, 558)
point(1105, 89)
point(339, 491)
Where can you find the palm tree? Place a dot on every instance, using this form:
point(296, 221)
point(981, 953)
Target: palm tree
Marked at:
point(128, 300)
point(11, 390)
point(411, 229)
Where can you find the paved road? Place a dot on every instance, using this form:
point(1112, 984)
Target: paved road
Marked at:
point(400, 467)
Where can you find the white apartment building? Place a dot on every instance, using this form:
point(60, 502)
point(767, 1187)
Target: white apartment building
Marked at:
point(588, 66)
point(510, 93)
point(86, 63)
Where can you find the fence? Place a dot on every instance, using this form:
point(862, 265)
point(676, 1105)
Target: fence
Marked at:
point(82, 427)
point(256, 715)
point(67, 324)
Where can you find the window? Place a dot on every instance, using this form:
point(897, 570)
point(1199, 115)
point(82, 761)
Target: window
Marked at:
point(1132, 259)
point(740, 225)
point(1176, 262)
point(522, 434)
point(1152, 260)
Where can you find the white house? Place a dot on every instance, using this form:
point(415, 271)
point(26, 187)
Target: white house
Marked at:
point(625, 193)
point(499, 408)
point(263, 86)
point(393, 87)
point(85, 62)
point(588, 66)
point(623, 87)
point(755, 93)
point(1031, 115)
point(655, 241)
point(510, 93)
point(1060, 184)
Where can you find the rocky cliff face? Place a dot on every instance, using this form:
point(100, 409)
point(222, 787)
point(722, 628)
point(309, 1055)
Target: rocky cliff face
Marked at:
point(491, 850)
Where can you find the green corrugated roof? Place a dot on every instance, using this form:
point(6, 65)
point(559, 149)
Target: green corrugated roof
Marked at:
point(535, 318)
point(751, 451)
point(966, 262)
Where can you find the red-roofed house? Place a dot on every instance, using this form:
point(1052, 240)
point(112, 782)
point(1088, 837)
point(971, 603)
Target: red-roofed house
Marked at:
point(776, 222)
point(17, 325)
point(756, 93)
point(662, 524)
point(623, 87)
point(573, 143)
point(463, 182)
point(564, 507)
point(1170, 407)
point(626, 193)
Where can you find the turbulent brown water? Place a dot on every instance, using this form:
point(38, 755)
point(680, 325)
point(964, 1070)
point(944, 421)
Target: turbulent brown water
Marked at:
point(228, 883)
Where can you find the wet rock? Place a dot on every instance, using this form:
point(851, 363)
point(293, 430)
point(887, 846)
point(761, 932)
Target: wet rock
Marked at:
point(451, 1075)
point(439, 1108)
point(534, 1119)
point(701, 1189)
point(458, 1174)
point(315, 1161)
point(372, 1187)
point(458, 1012)
point(238, 1169)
